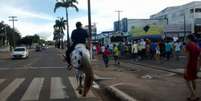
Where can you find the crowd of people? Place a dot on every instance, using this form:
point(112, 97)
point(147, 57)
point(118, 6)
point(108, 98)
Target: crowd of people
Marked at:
point(141, 49)
point(148, 49)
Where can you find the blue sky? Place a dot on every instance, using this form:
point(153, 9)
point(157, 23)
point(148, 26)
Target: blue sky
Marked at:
point(37, 16)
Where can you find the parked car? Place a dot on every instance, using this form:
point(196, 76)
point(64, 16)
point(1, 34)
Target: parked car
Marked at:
point(38, 48)
point(20, 52)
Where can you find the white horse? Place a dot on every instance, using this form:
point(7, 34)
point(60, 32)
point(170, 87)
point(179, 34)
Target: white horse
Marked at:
point(80, 60)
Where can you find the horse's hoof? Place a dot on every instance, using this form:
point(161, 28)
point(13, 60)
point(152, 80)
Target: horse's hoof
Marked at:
point(80, 92)
point(84, 95)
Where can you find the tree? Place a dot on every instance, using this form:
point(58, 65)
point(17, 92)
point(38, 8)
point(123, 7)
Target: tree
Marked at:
point(29, 40)
point(2, 33)
point(67, 4)
point(36, 38)
point(59, 32)
point(10, 36)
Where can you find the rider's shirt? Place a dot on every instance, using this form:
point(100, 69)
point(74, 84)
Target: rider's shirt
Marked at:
point(79, 36)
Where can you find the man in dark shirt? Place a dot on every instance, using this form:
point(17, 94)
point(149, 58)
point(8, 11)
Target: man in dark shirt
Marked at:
point(79, 35)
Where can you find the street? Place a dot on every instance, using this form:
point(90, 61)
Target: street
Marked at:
point(41, 77)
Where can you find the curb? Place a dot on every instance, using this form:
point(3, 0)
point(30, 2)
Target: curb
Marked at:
point(163, 69)
point(113, 91)
point(158, 68)
point(119, 94)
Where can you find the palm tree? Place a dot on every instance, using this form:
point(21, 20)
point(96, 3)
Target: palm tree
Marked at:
point(67, 4)
point(2, 33)
point(6, 34)
point(58, 31)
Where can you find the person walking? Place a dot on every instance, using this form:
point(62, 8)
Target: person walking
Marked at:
point(157, 56)
point(134, 50)
point(177, 49)
point(192, 67)
point(94, 51)
point(168, 49)
point(106, 55)
point(116, 54)
point(102, 49)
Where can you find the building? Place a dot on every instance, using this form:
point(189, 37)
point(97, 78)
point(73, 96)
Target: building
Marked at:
point(181, 20)
point(105, 37)
point(137, 27)
point(93, 31)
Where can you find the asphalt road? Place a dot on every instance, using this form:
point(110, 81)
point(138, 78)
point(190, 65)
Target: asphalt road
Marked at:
point(46, 58)
point(41, 77)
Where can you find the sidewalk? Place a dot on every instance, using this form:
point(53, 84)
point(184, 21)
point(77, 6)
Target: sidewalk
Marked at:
point(4, 55)
point(141, 83)
point(171, 64)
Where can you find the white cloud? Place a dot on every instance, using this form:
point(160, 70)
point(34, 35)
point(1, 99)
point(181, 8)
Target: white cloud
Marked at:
point(103, 14)
point(23, 13)
point(25, 23)
point(44, 30)
point(103, 11)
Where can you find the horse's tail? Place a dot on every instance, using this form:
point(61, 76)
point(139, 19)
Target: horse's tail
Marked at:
point(87, 69)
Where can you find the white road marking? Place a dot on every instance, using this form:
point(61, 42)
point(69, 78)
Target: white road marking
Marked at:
point(95, 85)
point(29, 67)
point(10, 89)
point(73, 82)
point(57, 89)
point(33, 92)
point(101, 78)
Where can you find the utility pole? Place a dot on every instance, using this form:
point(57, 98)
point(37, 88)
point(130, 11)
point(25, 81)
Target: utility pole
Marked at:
point(67, 29)
point(119, 13)
point(89, 25)
point(184, 26)
point(13, 19)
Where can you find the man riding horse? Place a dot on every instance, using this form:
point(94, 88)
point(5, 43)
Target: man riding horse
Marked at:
point(78, 36)
point(78, 57)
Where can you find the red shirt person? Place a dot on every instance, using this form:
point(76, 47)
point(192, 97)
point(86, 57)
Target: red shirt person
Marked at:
point(106, 55)
point(192, 67)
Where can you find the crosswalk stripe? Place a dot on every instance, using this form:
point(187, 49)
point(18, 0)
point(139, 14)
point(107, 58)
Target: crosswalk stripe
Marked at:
point(57, 89)
point(33, 91)
point(10, 89)
point(73, 82)
point(1, 81)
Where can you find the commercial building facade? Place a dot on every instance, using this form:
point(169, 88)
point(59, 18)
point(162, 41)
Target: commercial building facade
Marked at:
point(137, 27)
point(181, 20)
point(93, 31)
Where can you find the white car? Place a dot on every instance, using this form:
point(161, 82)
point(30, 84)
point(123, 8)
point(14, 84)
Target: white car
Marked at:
point(20, 52)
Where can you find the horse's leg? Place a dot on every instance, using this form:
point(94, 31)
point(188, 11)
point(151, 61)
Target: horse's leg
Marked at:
point(78, 80)
point(87, 70)
point(80, 85)
point(88, 81)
